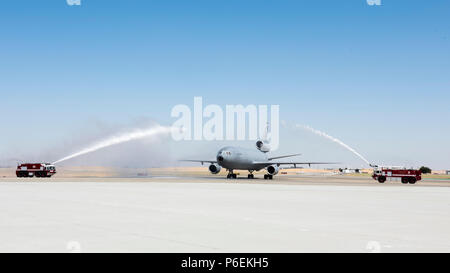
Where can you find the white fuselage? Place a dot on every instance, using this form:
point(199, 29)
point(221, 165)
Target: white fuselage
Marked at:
point(236, 158)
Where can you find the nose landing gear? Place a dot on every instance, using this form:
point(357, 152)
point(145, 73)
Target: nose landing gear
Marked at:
point(268, 176)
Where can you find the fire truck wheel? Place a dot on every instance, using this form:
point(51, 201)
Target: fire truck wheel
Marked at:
point(412, 180)
point(405, 180)
point(381, 179)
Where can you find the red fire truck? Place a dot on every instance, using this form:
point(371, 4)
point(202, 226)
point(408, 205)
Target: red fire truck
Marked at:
point(405, 175)
point(35, 169)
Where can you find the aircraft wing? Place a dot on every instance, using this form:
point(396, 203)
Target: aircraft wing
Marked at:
point(283, 156)
point(200, 161)
point(268, 163)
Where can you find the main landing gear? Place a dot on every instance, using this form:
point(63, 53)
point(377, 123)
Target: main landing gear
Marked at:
point(231, 175)
point(251, 175)
point(268, 176)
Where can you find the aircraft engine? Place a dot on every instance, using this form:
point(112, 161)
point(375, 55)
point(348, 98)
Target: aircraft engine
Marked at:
point(273, 170)
point(214, 168)
point(263, 147)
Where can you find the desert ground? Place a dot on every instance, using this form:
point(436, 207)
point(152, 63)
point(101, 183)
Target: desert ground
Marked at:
point(189, 210)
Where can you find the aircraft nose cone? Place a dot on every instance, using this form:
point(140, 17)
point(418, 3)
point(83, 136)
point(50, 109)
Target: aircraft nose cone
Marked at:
point(220, 158)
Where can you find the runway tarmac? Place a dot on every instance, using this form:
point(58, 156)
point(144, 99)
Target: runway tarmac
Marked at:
point(212, 214)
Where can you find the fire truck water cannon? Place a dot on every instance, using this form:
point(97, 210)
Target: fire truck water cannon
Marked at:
point(405, 175)
point(35, 169)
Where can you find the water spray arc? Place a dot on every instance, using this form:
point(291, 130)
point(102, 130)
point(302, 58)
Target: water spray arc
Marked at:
point(121, 138)
point(322, 134)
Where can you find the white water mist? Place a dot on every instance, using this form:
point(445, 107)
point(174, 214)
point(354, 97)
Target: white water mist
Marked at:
point(322, 134)
point(121, 138)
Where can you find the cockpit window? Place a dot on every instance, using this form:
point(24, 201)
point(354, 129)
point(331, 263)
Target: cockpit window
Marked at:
point(225, 153)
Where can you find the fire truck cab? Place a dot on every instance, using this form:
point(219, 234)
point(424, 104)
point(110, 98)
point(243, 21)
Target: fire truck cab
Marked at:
point(405, 175)
point(35, 169)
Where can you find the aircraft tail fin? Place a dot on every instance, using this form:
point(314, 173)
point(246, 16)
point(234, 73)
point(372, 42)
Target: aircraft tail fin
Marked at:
point(263, 144)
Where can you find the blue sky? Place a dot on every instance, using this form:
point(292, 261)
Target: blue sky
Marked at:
point(377, 77)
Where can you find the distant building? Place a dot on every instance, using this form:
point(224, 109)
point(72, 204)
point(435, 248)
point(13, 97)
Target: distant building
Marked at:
point(447, 172)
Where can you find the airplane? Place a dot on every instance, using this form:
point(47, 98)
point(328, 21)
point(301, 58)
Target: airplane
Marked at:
point(251, 160)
